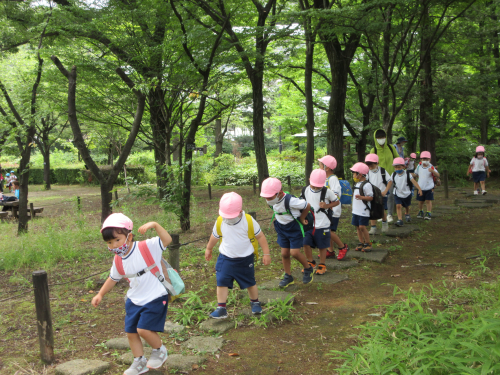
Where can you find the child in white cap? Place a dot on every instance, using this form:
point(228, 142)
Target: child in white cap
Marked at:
point(147, 299)
point(236, 260)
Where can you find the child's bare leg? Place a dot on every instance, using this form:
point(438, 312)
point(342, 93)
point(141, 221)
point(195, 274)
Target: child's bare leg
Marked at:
point(134, 340)
point(322, 255)
point(421, 206)
point(285, 258)
point(476, 185)
point(399, 210)
point(335, 238)
point(363, 234)
point(483, 184)
point(360, 234)
point(152, 338)
point(222, 293)
point(300, 257)
point(429, 206)
point(309, 253)
point(253, 292)
point(407, 210)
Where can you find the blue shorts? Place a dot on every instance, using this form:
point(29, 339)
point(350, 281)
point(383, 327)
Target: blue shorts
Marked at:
point(151, 316)
point(427, 195)
point(320, 239)
point(230, 269)
point(479, 176)
point(384, 201)
point(335, 224)
point(405, 202)
point(289, 235)
point(360, 220)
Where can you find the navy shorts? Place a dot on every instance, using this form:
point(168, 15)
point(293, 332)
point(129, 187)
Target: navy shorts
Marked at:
point(427, 195)
point(320, 239)
point(230, 269)
point(289, 235)
point(360, 220)
point(335, 224)
point(405, 202)
point(151, 316)
point(479, 176)
point(384, 201)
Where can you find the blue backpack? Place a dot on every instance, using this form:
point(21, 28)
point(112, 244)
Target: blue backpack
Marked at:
point(346, 191)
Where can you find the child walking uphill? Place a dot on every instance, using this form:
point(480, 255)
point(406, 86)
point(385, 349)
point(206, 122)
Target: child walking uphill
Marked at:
point(425, 173)
point(329, 163)
point(147, 299)
point(479, 167)
point(363, 194)
point(319, 235)
point(288, 226)
point(237, 232)
point(403, 183)
point(380, 178)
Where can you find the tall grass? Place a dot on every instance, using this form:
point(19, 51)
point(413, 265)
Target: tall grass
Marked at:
point(436, 331)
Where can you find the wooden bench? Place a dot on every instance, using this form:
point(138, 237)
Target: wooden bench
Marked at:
point(3, 215)
point(36, 210)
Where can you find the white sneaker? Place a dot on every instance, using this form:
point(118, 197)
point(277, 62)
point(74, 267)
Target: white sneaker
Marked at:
point(373, 230)
point(379, 220)
point(389, 219)
point(385, 227)
point(138, 367)
point(484, 192)
point(476, 192)
point(158, 358)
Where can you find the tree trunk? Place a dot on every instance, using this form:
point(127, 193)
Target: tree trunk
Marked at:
point(219, 137)
point(159, 130)
point(46, 168)
point(485, 121)
point(23, 183)
point(308, 90)
point(106, 198)
point(258, 122)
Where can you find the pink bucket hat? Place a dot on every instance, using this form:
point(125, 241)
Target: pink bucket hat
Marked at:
point(425, 154)
point(270, 186)
point(372, 158)
point(317, 178)
point(117, 220)
point(398, 161)
point(360, 168)
point(230, 205)
point(413, 155)
point(329, 161)
point(480, 149)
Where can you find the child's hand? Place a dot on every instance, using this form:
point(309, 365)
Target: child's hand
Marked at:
point(266, 259)
point(420, 192)
point(322, 205)
point(384, 193)
point(208, 254)
point(96, 300)
point(304, 222)
point(357, 196)
point(144, 228)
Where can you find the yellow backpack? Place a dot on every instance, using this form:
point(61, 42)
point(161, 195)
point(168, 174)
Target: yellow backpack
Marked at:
point(251, 234)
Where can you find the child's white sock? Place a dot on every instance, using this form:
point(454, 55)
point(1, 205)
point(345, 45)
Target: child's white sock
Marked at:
point(137, 359)
point(160, 348)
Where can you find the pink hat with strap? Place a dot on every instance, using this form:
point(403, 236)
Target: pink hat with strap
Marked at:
point(230, 205)
point(480, 149)
point(413, 155)
point(371, 158)
point(270, 186)
point(317, 178)
point(398, 161)
point(117, 220)
point(425, 154)
point(361, 168)
point(329, 161)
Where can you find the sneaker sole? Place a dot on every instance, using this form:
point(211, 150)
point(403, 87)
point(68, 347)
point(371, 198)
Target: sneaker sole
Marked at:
point(213, 317)
point(427, 218)
point(309, 282)
point(284, 286)
point(146, 369)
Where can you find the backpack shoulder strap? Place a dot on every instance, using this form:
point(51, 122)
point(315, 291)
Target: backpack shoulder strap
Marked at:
point(375, 148)
point(384, 178)
point(394, 151)
point(148, 258)
point(408, 179)
point(217, 227)
point(119, 265)
point(287, 203)
point(362, 193)
point(303, 194)
point(322, 195)
point(393, 178)
point(251, 236)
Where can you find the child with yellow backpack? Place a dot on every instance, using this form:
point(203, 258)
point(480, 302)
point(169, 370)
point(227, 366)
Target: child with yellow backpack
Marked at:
point(238, 251)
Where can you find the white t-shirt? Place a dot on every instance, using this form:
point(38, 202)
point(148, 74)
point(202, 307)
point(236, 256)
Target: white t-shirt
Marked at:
point(333, 184)
point(235, 242)
point(411, 164)
point(313, 198)
point(425, 180)
point(358, 205)
point(479, 165)
point(401, 188)
point(147, 287)
point(375, 178)
point(296, 204)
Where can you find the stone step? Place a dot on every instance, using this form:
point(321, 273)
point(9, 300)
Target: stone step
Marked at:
point(474, 205)
point(376, 255)
point(121, 343)
point(203, 344)
point(82, 367)
point(217, 325)
point(445, 208)
point(172, 327)
point(404, 231)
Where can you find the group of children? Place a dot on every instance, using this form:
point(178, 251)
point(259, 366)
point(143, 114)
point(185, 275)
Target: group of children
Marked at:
point(309, 221)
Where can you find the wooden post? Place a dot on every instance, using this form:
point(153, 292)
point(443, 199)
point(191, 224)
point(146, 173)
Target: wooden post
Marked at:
point(253, 214)
point(209, 191)
point(289, 183)
point(78, 205)
point(445, 183)
point(32, 211)
point(174, 251)
point(254, 186)
point(43, 316)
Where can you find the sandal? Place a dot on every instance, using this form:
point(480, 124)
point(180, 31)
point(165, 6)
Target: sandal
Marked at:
point(359, 247)
point(367, 247)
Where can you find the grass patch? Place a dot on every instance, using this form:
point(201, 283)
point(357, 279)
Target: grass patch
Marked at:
point(446, 330)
